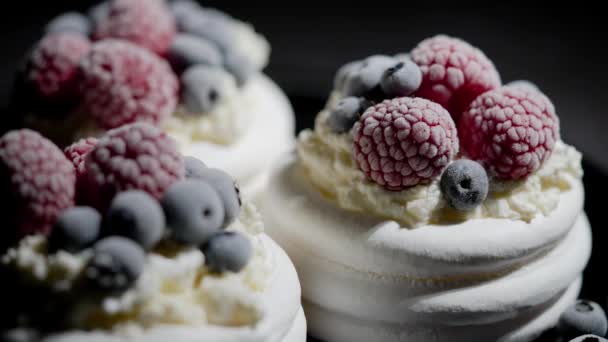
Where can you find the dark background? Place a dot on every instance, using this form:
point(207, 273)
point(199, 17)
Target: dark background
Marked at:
point(563, 50)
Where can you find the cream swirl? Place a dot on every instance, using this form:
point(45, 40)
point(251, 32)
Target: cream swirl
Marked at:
point(327, 160)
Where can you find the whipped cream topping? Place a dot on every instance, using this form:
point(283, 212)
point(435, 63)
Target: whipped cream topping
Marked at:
point(326, 158)
point(176, 287)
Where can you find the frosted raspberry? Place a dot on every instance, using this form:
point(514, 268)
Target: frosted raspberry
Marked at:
point(147, 23)
point(405, 141)
point(454, 73)
point(135, 156)
point(510, 130)
point(37, 182)
point(78, 151)
point(52, 70)
point(124, 83)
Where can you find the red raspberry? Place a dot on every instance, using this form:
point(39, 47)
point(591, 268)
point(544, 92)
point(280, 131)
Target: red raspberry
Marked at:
point(124, 83)
point(454, 73)
point(37, 182)
point(52, 70)
point(78, 151)
point(135, 156)
point(405, 141)
point(147, 23)
point(510, 130)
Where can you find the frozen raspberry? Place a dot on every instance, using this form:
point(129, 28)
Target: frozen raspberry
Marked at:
point(510, 130)
point(124, 83)
point(52, 68)
point(37, 182)
point(147, 23)
point(78, 151)
point(405, 141)
point(454, 73)
point(137, 156)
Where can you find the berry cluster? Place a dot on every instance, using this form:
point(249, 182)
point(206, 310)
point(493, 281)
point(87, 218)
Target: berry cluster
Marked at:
point(409, 115)
point(127, 61)
point(142, 191)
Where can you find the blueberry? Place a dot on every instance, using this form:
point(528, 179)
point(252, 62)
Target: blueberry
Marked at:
point(365, 80)
point(464, 184)
point(182, 9)
point(69, 22)
point(240, 66)
point(227, 189)
point(402, 79)
point(524, 84)
point(227, 251)
point(20, 335)
point(99, 11)
point(401, 57)
point(203, 87)
point(589, 338)
point(343, 74)
point(194, 167)
point(188, 50)
point(76, 229)
point(194, 211)
point(136, 215)
point(583, 317)
point(344, 114)
point(116, 264)
point(210, 24)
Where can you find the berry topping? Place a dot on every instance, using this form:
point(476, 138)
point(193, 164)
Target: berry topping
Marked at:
point(464, 184)
point(344, 114)
point(454, 73)
point(589, 338)
point(227, 251)
point(240, 66)
point(78, 151)
point(70, 22)
point(76, 229)
point(226, 188)
point(364, 79)
point(402, 79)
point(511, 131)
point(403, 142)
point(20, 335)
point(133, 157)
point(137, 216)
point(51, 76)
point(203, 87)
point(37, 182)
point(344, 74)
point(527, 85)
point(194, 211)
point(124, 83)
point(116, 264)
point(188, 50)
point(147, 23)
point(194, 168)
point(583, 317)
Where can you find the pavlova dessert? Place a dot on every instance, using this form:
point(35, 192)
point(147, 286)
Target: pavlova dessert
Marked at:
point(432, 203)
point(122, 239)
point(194, 71)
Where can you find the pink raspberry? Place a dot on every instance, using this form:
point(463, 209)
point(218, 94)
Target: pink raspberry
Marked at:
point(124, 83)
point(454, 73)
point(147, 23)
point(135, 156)
point(78, 151)
point(37, 182)
point(405, 141)
point(52, 71)
point(510, 130)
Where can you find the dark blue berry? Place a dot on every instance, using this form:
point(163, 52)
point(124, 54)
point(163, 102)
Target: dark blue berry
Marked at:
point(240, 66)
point(365, 79)
point(227, 251)
point(76, 229)
point(182, 9)
point(188, 50)
point(210, 24)
point(589, 338)
point(203, 87)
point(194, 167)
point(20, 335)
point(69, 22)
point(194, 211)
point(99, 12)
point(227, 189)
point(343, 74)
point(583, 317)
point(464, 184)
point(136, 215)
point(116, 264)
point(401, 57)
point(344, 114)
point(402, 79)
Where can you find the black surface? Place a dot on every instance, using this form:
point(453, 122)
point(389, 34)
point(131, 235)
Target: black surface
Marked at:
point(563, 50)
